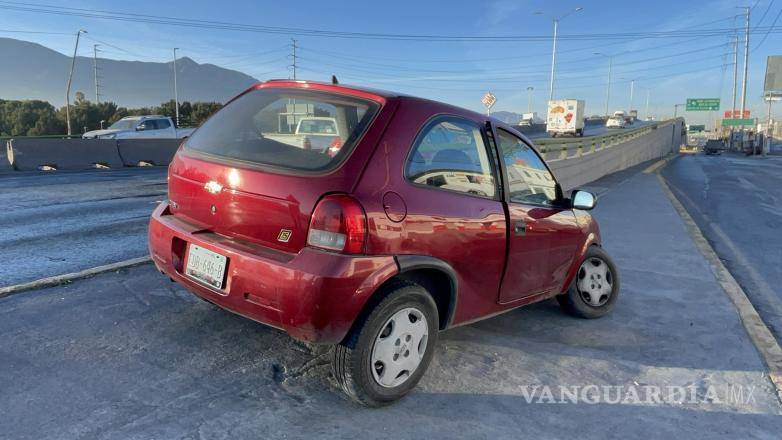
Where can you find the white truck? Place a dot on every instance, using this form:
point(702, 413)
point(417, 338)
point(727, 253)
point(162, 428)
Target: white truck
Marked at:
point(318, 133)
point(141, 127)
point(530, 118)
point(565, 116)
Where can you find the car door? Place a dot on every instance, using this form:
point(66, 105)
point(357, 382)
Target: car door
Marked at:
point(148, 129)
point(544, 235)
point(164, 129)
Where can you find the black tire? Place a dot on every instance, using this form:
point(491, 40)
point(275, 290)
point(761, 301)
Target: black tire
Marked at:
point(573, 301)
point(351, 362)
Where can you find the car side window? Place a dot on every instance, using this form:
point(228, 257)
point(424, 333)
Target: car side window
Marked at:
point(162, 123)
point(529, 180)
point(451, 154)
point(149, 124)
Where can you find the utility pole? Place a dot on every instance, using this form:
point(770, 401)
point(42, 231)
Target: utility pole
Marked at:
point(294, 65)
point(176, 92)
point(735, 83)
point(744, 77)
point(529, 98)
point(95, 70)
point(70, 79)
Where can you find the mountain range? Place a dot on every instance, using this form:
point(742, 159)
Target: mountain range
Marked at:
point(32, 71)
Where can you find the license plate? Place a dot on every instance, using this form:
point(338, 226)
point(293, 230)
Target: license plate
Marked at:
point(206, 266)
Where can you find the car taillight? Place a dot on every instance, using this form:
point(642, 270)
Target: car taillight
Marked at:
point(338, 224)
point(335, 146)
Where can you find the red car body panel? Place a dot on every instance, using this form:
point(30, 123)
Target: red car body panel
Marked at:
point(316, 295)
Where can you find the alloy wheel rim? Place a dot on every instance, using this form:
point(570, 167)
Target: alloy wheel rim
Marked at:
point(595, 282)
point(399, 347)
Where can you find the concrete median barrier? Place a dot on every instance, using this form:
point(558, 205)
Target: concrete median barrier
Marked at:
point(145, 152)
point(62, 154)
point(576, 162)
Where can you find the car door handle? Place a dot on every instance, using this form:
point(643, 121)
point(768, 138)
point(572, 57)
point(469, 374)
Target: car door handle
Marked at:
point(520, 228)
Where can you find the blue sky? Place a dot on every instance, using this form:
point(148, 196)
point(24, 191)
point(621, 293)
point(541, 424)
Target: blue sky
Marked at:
point(673, 69)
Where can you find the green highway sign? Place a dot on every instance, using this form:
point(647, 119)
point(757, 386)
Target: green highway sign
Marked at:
point(703, 104)
point(696, 128)
point(737, 122)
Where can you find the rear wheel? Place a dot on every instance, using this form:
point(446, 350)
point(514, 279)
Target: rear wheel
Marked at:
point(388, 350)
point(595, 288)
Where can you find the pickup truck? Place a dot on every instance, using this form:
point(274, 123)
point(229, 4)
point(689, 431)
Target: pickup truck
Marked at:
point(141, 127)
point(428, 217)
point(317, 133)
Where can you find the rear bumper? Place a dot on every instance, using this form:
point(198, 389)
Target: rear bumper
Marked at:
point(313, 295)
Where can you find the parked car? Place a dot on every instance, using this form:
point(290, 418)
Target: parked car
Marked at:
point(141, 127)
point(616, 122)
point(427, 218)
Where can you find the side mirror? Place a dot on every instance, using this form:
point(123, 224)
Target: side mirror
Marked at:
point(140, 127)
point(581, 199)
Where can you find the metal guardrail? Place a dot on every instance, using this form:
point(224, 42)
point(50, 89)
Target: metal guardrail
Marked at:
point(564, 148)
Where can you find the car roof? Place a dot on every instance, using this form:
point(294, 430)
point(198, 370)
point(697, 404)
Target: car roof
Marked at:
point(370, 90)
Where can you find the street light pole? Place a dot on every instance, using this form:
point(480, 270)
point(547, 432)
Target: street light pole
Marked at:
point(529, 98)
point(70, 80)
point(554, 50)
point(676, 110)
point(553, 61)
point(608, 88)
point(646, 112)
point(176, 92)
point(632, 86)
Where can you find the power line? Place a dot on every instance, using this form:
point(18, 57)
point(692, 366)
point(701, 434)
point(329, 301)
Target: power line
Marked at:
point(210, 24)
point(763, 40)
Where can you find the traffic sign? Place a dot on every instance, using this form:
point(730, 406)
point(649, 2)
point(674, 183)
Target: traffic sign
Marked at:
point(488, 100)
point(702, 104)
point(737, 122)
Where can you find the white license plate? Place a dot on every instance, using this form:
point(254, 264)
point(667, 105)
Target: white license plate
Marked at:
point(206, 266)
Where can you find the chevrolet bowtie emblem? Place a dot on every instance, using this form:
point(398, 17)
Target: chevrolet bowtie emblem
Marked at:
point(213, 187)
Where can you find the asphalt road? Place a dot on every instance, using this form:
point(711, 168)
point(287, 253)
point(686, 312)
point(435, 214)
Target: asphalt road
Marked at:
point(131, 355)
point(69, 221)
point(737, 202)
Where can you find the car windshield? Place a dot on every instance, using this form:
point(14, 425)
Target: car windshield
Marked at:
point(124, 124)
point(260, 126)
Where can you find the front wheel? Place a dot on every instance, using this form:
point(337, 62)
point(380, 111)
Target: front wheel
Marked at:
point(387, 352)
point(595, 289)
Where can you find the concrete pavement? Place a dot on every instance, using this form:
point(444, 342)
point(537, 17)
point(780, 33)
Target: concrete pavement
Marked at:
point(131, 355)
point(736, 202)
point(69, 221)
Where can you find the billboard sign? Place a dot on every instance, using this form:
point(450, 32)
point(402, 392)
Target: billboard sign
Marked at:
point(736, 114)
point(773, 84)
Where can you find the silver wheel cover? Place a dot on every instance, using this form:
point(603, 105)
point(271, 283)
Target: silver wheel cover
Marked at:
point(399, 347)
point(595, 282)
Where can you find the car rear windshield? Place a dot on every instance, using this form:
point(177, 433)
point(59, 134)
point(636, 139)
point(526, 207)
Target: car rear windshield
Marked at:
point(260, 127)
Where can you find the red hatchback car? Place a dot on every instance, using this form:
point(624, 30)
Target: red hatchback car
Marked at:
point(407, 218)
